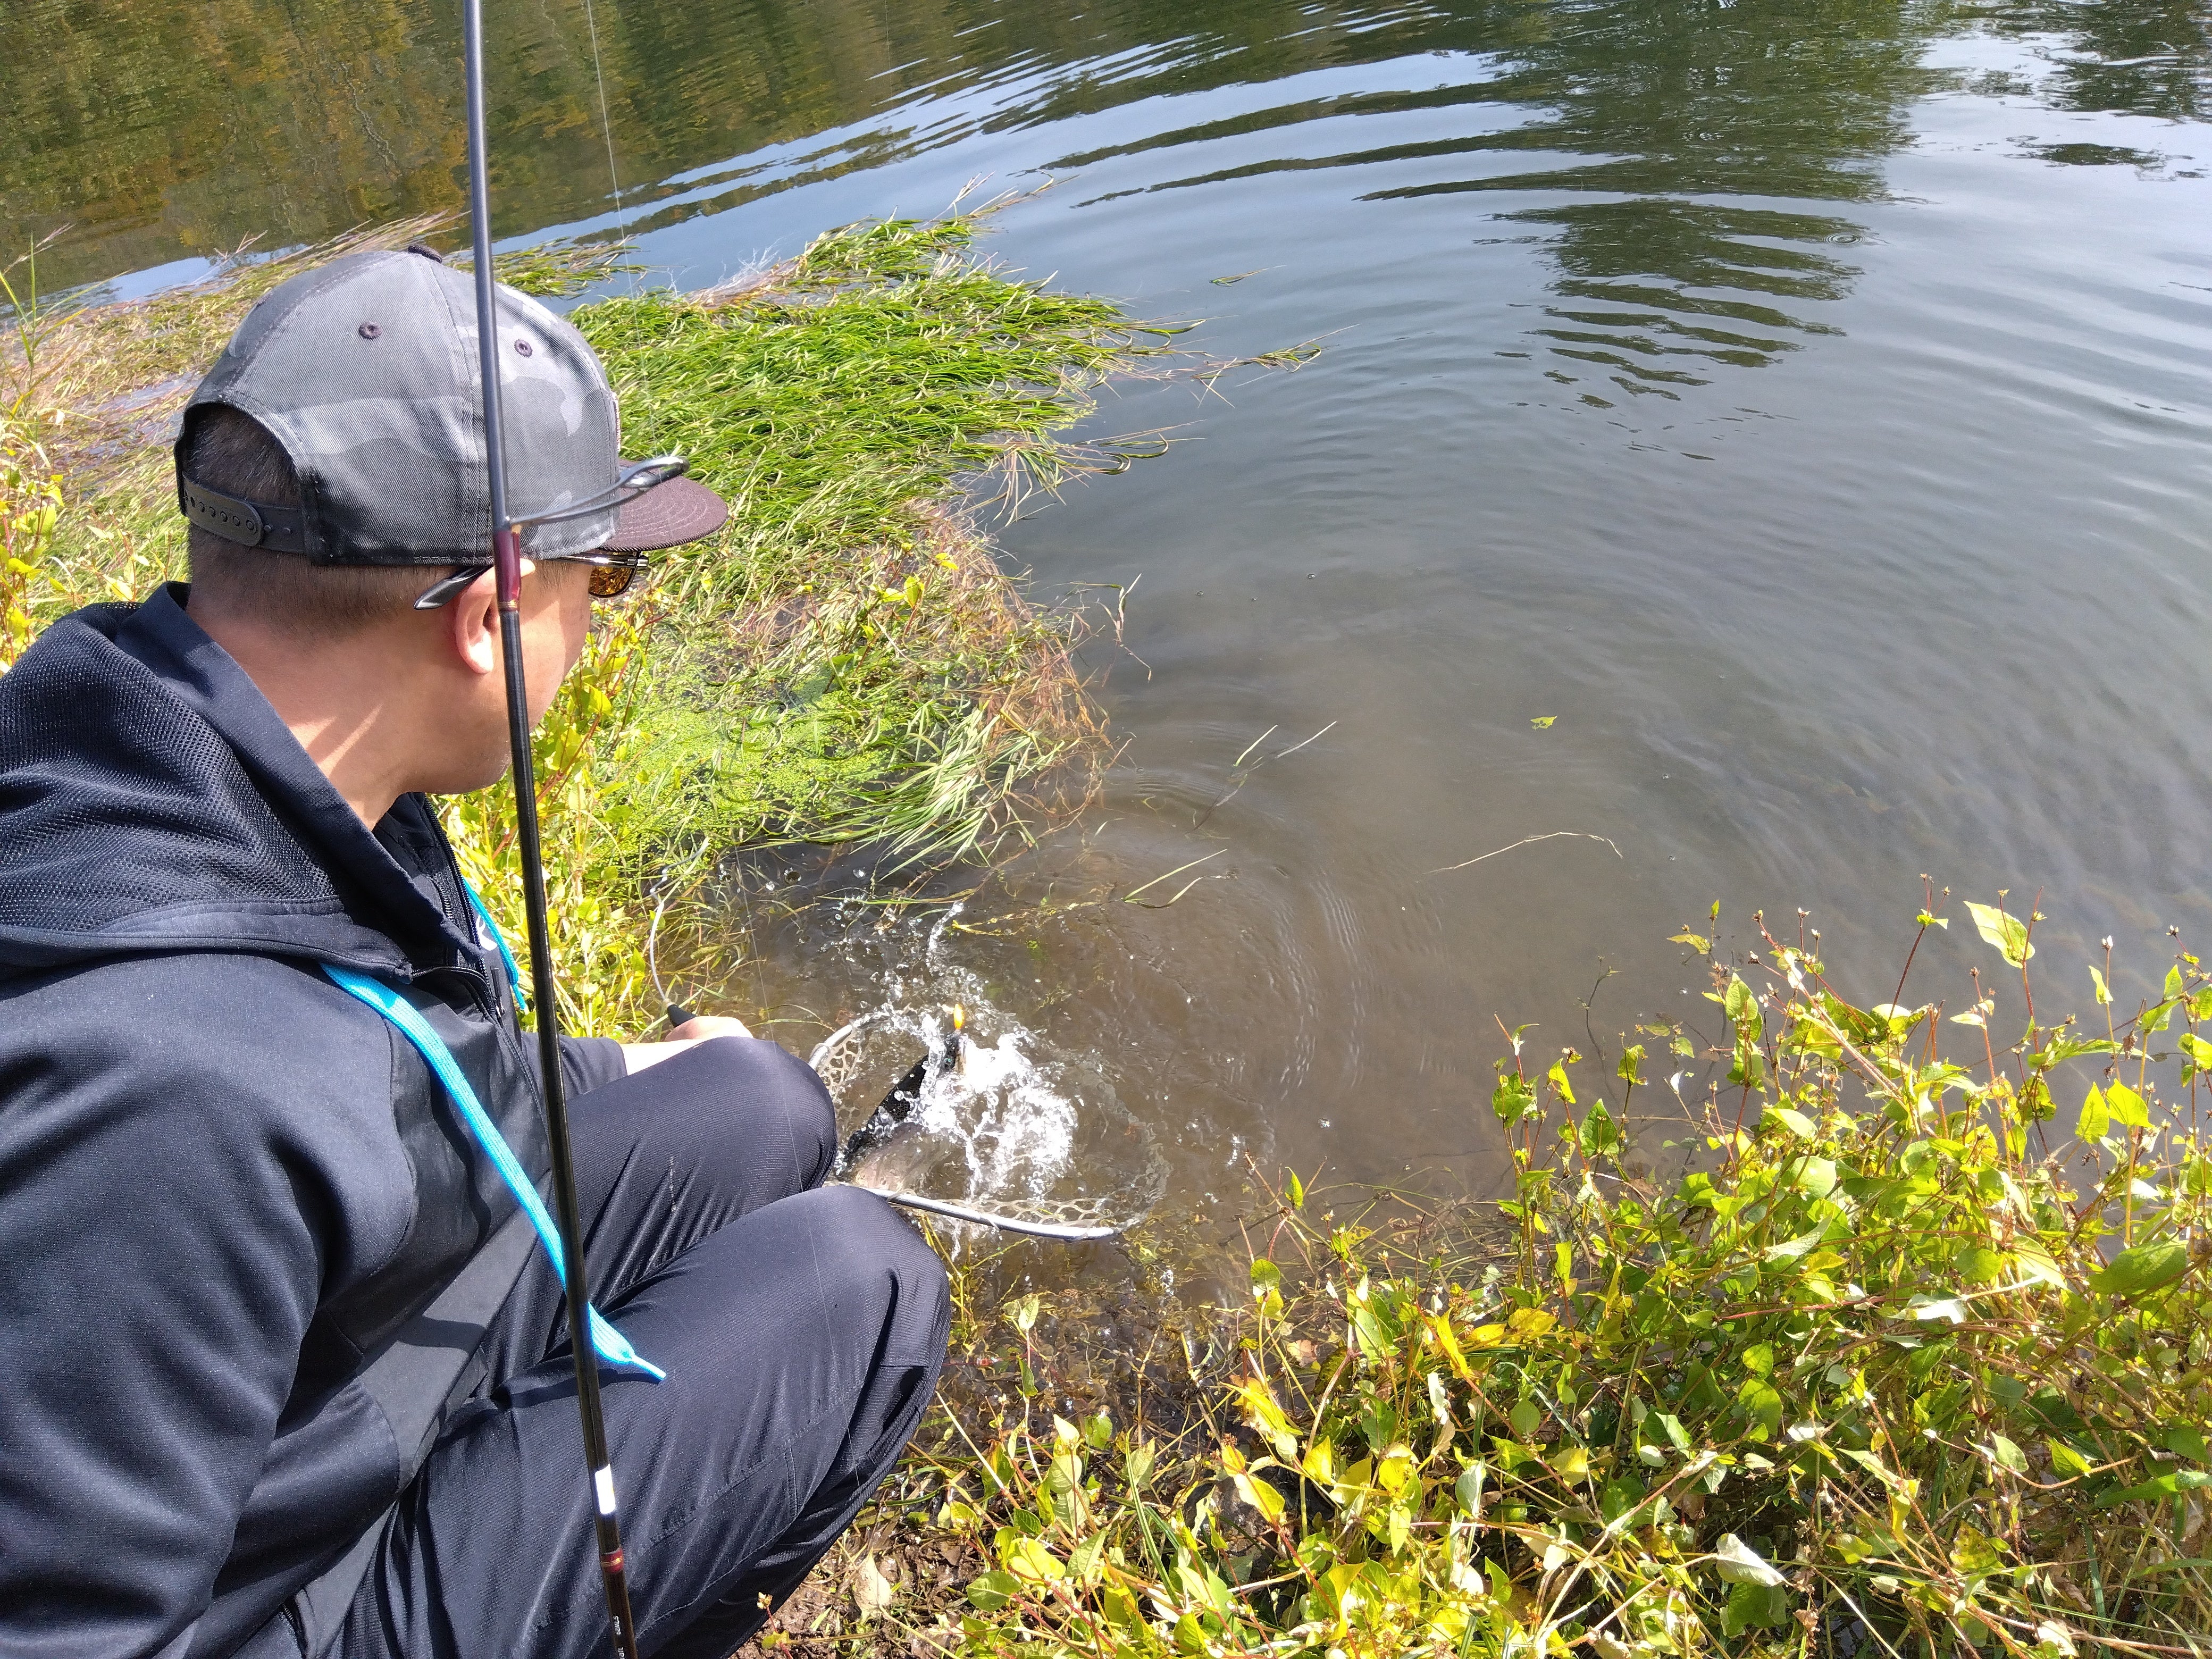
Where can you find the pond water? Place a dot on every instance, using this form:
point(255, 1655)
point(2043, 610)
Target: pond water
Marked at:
point(1770, 442)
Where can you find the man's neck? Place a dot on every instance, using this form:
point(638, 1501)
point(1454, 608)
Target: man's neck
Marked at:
point(337, 700)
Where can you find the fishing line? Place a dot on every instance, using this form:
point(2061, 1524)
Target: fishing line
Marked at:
point(1035, 1227)
point(606, 126)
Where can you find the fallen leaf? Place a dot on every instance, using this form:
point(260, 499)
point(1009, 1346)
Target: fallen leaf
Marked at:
point(871, 1589)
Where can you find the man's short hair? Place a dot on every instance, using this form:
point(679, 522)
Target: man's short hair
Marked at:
point(232, 451)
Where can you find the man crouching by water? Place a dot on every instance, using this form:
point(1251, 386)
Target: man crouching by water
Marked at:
point(283, 1369)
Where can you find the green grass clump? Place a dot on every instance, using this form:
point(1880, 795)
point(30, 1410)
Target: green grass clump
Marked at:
point(1882, 1373)
point(848, 664)
point(834, 396)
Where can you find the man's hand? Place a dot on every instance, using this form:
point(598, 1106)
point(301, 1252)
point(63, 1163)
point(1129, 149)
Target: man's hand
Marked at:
point(700, 1027)
point(697, 1030)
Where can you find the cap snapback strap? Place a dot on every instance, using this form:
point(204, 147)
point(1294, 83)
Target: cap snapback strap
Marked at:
point(252, 523)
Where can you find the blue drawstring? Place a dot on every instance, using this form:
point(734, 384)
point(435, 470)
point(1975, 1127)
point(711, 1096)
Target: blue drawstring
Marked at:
point(612, 1344)
point(514, 973)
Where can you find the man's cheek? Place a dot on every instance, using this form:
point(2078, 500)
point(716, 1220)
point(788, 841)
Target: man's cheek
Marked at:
point(579, 627)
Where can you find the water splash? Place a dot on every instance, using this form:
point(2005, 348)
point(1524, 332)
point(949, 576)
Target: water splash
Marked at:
point(1015, 1121)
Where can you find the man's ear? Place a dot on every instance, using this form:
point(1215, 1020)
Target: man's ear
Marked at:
point(472, 625)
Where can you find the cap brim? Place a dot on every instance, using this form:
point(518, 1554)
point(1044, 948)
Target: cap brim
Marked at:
point(667, 515)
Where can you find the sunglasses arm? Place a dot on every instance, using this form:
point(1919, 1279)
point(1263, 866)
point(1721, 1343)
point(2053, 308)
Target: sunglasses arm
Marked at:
point(446, 589)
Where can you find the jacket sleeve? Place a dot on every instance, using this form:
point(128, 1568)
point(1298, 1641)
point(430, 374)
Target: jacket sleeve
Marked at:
point(163, 1231)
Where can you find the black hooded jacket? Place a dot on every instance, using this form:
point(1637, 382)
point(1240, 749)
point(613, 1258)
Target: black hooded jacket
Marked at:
point(229, 1193)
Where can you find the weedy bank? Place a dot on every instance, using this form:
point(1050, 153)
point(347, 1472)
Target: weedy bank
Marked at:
point(1893, 1370)
point(847, 662)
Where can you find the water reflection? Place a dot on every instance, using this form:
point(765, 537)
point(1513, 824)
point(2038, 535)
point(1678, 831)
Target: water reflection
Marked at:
point(2142, 57)
point(1689, 115)
point(1693, 300)
point(1642, 114)
point(174, 131)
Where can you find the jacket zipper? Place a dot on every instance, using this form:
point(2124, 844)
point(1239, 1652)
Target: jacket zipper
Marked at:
point(505, 1020)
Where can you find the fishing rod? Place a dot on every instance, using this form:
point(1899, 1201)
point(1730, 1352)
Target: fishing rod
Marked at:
point(506, 562)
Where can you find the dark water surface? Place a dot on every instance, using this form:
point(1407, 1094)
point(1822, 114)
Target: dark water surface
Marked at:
point(1806, 408)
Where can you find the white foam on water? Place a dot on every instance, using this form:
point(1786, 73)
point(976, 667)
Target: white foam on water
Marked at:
point(1009, 1121)
point(1016, 1127)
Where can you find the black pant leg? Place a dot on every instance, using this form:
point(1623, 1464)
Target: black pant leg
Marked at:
point(802, 1329)
point(663, 1158)
point(802, 1342)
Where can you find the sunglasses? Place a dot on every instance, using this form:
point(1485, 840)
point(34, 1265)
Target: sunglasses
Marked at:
point(611, 575)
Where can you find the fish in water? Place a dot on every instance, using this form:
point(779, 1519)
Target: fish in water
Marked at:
point(906, 1094)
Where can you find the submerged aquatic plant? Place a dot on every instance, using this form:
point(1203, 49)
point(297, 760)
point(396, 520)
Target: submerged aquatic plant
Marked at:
point(1880, 1373)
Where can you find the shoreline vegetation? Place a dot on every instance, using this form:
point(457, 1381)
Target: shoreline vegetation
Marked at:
point(1889, 1365)
point(845, 664)
point(1885, 1363)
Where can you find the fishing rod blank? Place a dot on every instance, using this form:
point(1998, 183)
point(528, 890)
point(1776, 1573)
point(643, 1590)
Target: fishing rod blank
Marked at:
point(507, 562)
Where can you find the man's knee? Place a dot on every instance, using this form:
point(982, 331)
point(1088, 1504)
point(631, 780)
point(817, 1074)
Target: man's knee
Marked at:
point(879, 1267)
point(776, 1094)
point(869, 1244)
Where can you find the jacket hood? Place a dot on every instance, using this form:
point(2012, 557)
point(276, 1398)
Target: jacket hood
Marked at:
point(152, 800)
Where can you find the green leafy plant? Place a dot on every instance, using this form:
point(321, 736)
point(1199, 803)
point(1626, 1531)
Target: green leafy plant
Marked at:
point(1876, 1371)
point(30, 486)
point(30, 502)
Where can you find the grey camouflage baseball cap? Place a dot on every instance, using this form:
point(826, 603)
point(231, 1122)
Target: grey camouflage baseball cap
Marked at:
point(365, 370)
